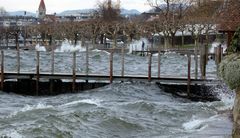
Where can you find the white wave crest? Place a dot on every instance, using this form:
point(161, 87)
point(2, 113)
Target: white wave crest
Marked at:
point(198, 124)
point(88, 101)
point(31, 107)
point(98, 51)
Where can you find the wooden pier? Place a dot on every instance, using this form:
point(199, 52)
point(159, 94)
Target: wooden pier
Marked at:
point(52, 83)
point(107, 78)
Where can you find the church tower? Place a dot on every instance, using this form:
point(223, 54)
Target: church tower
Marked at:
point(118, 4)
point(41, 10)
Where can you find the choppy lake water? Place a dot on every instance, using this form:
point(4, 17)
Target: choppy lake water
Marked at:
point(130, 109)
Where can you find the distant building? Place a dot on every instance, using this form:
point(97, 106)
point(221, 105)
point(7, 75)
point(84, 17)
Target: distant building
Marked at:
point(76, 16)
point(42, 10)
point(16, 21)
point(43, 16)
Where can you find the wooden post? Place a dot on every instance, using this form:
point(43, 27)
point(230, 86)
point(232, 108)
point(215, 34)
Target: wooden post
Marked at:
point(159, 62)
point(37, 73)
point(18, 61)
point(203, 61)
point(215, 55)
point(74, 72)
point(146, 50)
point(52, 61)
point(17, 43)
point(87, 62)
point(196, 62)
point(111, 67)
point(150, 68)
point(123, 58)
point(2, 70)
point(219, 54)
point(52, 71)
point(189, 76)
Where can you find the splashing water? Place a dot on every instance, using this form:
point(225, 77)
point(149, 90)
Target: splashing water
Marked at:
point(137, 45)
point(216, 44)
point(40, 48)
point(67, 47)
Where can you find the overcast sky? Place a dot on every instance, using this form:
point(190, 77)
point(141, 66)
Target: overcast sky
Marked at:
point(61, 5)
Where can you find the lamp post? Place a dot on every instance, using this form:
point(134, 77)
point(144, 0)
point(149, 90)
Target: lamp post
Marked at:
point(25, 31)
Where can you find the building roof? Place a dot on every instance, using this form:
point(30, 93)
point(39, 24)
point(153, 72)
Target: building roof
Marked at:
point(42, 5)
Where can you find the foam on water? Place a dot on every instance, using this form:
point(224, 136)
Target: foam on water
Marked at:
point(198, 124)
point(11, 134)
point(216, 121)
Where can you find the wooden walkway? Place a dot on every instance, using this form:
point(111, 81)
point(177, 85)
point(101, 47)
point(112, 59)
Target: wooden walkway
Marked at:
point(107, 78)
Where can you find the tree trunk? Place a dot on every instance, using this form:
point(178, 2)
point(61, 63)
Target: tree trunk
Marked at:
point(94, 41)
point(173, 40)
point(166, 42)
point(7, 39)
point(102, 39)
point(182, 38)
point(207, 43)
point(114, 41)
point(83, 41)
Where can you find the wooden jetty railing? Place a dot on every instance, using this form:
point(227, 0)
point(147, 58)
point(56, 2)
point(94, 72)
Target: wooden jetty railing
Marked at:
point(74, 76)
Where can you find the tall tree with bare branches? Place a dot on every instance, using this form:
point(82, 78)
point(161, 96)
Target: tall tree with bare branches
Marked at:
point(170, 14)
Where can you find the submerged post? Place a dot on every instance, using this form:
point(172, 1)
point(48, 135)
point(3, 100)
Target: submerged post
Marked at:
point(123, 52)
point(111, 67)
point(150, 68)
point(2, 70)
point(189, 76)
point(74, 72)
point(37, 73)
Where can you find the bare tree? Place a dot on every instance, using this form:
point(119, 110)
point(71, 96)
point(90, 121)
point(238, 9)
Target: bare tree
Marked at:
point(200, 20)
point(108, 11)
point(109, 15)
point(229, 18)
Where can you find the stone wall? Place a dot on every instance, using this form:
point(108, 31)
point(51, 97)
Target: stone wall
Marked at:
point(236, 115)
